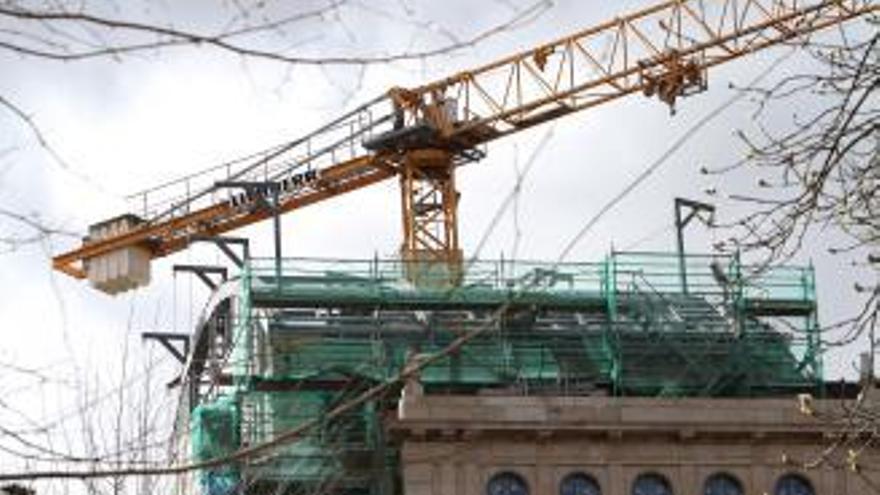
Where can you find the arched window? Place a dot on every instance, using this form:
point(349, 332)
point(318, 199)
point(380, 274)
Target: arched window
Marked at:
point(793, 484)
point(651, 484)
point(507, 483)
point(722, 484)
point(579, 484)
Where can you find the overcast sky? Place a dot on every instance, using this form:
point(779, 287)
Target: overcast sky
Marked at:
point(121, 126)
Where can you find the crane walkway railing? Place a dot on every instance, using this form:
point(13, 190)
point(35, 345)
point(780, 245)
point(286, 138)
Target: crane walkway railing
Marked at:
point(291, 164)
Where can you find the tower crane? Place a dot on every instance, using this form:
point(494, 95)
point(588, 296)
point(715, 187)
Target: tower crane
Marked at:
point(422, 135)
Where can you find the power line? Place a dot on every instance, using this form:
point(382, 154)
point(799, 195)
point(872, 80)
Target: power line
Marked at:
point(662, 159)
point(650, 236)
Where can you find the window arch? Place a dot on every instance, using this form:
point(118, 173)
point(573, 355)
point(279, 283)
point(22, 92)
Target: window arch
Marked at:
point(507, 483)
point(722, 484)
point(793, 484)
point(651, 484)
point(579, 484)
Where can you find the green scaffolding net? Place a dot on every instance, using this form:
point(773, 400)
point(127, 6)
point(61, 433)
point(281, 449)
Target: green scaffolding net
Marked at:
point(216, 433)
point(634, 324)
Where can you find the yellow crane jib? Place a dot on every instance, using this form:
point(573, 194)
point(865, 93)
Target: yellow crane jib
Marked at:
point(421, 135)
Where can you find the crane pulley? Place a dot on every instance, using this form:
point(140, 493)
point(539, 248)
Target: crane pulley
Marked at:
point(421, 135)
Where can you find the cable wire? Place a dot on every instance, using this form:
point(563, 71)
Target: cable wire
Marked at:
point(662, 159)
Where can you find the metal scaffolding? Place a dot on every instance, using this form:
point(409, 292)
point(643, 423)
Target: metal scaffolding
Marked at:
point(274, 352)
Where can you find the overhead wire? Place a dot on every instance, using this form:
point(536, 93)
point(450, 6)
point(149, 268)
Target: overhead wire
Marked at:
point(650, 236)
point(668, 153)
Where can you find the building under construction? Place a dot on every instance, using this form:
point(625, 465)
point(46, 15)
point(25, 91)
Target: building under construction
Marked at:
point(642, 374)
point(275, 353)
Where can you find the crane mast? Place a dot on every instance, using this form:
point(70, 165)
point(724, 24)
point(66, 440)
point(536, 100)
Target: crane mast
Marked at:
point(422, 135)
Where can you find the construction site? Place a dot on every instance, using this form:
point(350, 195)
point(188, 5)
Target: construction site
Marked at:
point(435, 372)
point(273, 354)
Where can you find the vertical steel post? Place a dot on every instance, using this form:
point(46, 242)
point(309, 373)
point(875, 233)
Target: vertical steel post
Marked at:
point(259, 191)
point(276, 219)
point(680, 224)
point(679, 229)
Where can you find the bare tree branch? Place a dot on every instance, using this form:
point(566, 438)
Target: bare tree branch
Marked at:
point(225, 41)
point(38, 134)
point(822, 174)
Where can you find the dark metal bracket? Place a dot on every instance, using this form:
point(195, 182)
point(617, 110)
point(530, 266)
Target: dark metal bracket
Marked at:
point(225, 243)
point(167, 339)
point(203, 272)
point(695, 208)
point(261, 191)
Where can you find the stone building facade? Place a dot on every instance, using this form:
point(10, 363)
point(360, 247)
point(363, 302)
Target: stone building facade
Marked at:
point(506, 445)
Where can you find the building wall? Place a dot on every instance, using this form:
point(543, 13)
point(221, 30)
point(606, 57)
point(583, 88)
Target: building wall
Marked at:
point(454, 445)
point(465, 467)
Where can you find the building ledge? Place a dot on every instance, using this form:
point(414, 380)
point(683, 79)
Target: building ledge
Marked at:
point(607, 415)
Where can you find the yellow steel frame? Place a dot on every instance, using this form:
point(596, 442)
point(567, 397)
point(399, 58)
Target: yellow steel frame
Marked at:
point(170, 236)
point(663, 50)
point(429, 203)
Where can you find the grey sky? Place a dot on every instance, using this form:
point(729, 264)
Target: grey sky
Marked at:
point(125, 125)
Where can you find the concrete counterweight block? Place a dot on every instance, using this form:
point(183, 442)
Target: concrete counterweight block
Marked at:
point(123, 269)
